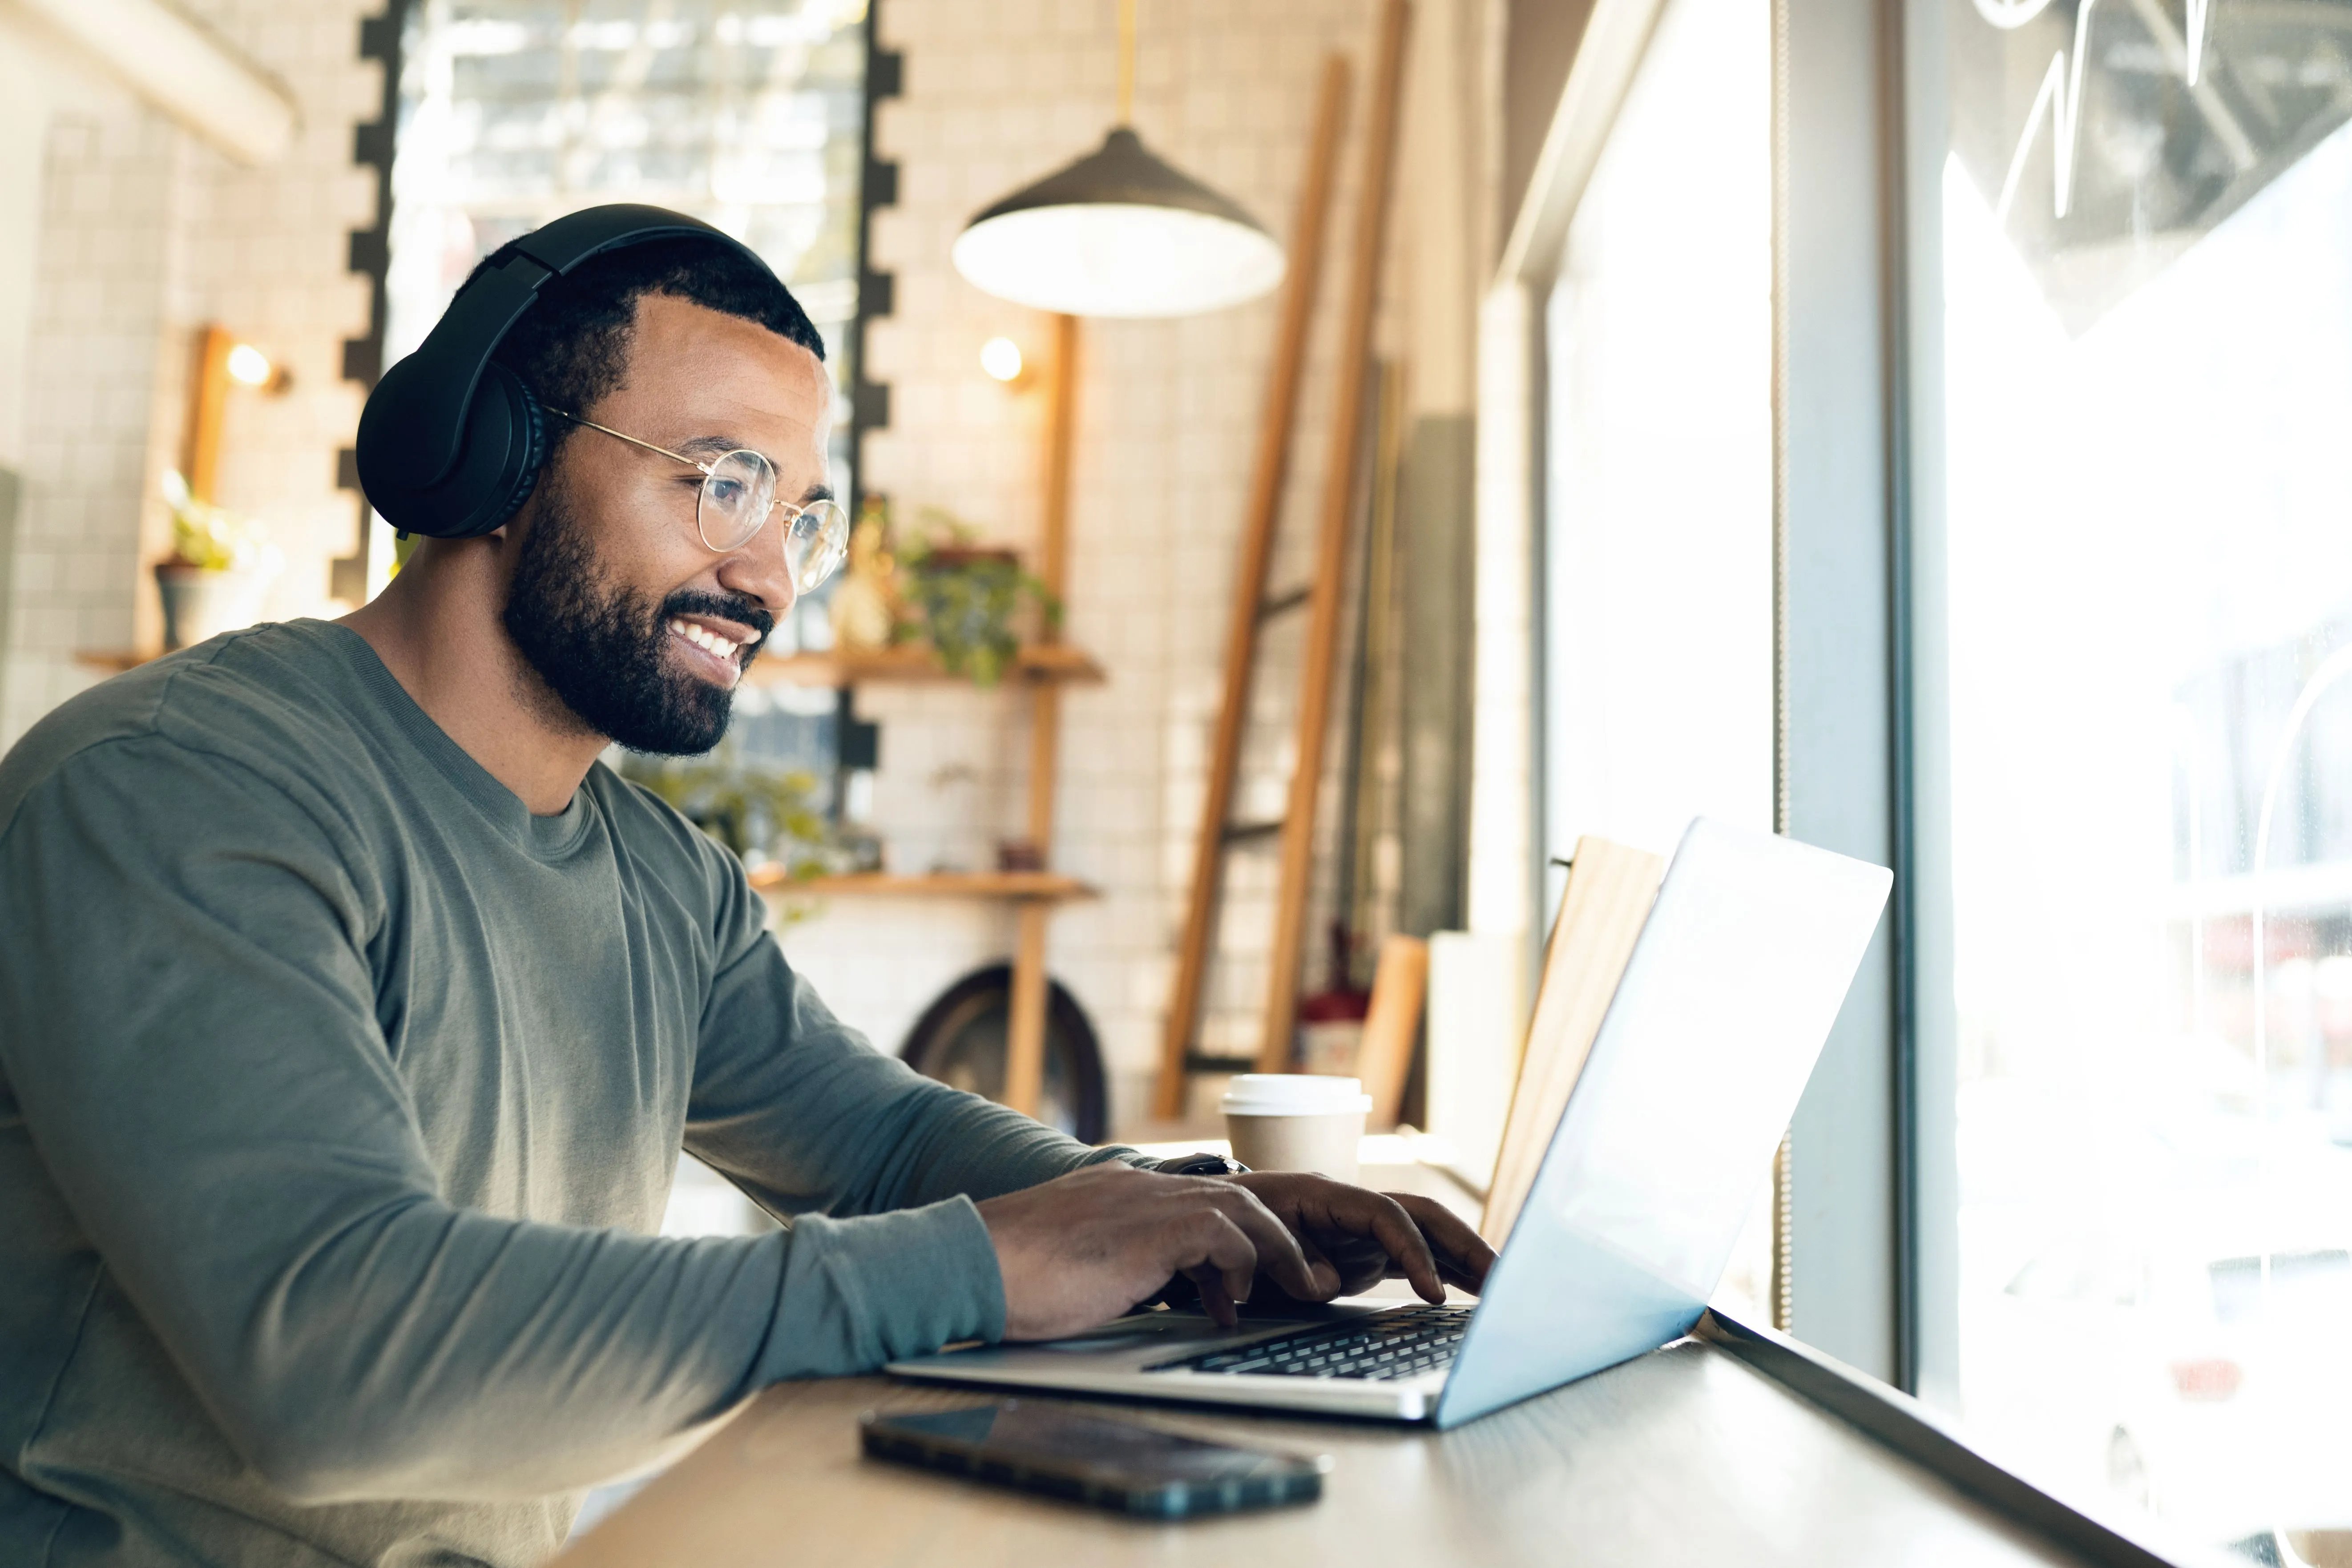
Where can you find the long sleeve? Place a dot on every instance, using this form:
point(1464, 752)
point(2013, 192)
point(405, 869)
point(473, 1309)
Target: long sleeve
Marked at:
point(188, 1030)
point(802, 1113)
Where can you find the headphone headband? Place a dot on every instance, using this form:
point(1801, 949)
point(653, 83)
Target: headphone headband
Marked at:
point(449, 444)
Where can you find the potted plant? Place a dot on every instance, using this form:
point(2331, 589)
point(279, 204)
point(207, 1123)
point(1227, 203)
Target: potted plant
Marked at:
point(220, 566)
point(970, 599)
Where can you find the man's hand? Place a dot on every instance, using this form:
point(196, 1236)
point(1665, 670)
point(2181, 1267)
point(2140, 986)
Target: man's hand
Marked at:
point(1086, 1248)
point(1365, 1237)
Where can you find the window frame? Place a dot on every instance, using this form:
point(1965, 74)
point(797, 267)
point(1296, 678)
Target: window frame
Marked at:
point(1868, 1220)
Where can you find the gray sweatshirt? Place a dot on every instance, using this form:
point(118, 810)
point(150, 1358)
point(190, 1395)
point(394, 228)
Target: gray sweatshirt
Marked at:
point(340, 1098)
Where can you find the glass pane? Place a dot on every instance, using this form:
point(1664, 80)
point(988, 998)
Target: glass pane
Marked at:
point(1657, 595)
point(2148, 268)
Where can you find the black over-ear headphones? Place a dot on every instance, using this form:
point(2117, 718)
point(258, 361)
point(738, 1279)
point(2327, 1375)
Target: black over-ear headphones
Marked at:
point(451, 444)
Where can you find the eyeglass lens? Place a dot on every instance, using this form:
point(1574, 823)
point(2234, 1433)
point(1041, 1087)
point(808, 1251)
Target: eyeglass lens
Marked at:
point(738, 490)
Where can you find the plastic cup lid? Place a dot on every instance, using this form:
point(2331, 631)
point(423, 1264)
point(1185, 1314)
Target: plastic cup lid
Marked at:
point(1295, 1094)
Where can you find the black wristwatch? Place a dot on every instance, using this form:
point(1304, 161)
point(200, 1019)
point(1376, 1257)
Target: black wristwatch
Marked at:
point(1202, 1165)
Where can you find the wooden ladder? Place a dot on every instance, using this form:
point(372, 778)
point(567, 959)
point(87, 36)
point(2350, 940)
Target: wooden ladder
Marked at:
point(1251, 605)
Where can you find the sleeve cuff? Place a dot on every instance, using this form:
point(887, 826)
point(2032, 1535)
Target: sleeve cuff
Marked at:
point(858, 1293)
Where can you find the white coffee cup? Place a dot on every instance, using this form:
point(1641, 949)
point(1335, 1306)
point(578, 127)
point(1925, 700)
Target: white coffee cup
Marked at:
point(1297, 1121)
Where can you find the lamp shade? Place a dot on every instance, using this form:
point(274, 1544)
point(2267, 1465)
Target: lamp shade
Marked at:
point(1120, 232)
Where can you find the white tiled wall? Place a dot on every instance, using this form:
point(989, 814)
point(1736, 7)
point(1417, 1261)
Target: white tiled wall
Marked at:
point(114, 188)
point(1167, 418)
point(146, 234)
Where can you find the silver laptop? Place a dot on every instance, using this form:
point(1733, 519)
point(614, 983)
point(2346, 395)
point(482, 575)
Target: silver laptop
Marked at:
point(1730, 995)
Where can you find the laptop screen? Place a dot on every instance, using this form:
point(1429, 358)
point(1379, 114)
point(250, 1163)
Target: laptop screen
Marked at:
point(1723, 1010)
point(1731, 992)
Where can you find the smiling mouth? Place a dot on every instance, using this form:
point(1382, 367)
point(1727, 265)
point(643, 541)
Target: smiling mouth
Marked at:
point(722, 650)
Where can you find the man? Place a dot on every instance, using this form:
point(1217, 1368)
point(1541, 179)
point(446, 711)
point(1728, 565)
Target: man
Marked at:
point(352, 1015)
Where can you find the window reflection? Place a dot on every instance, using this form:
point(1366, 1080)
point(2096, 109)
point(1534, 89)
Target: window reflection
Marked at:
point(745, 113)
point(2148, 351)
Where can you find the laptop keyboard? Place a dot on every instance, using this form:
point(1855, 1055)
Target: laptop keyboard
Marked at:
point(1401, 1343)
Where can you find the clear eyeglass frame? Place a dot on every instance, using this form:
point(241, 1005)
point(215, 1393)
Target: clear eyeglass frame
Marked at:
point(739, 492)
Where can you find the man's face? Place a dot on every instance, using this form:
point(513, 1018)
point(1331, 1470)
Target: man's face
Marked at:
point(615, 600)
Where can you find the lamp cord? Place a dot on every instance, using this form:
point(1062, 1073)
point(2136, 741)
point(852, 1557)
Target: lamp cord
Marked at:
point(1125, 62)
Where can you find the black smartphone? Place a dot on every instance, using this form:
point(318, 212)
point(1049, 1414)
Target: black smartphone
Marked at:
point(1118, 1465)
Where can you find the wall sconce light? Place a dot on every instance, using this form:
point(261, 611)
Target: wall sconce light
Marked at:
point(249, 366)
point(1001, 358)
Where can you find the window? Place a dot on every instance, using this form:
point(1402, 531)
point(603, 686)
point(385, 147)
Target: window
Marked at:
point(2147, 267)
point(1657, 589)
point(1658, 529)
point(748, 114)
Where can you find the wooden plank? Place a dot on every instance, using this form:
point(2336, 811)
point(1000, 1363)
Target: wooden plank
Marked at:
point(1384, 1061)
point(1025, 1041)
point(914, 662)
point(1331, 556)
point(207, 404)
point(1272, 466)
point(114, 661)
point(1061, 425)
point(910, 663)
point(1610, 890)
point(1046, 885)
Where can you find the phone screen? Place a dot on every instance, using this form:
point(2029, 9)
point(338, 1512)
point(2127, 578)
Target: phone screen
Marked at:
point(1115, 1464)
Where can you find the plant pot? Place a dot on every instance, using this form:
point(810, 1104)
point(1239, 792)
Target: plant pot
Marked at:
point(199, 605)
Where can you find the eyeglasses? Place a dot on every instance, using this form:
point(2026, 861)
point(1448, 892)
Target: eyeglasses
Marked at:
point(739, 492)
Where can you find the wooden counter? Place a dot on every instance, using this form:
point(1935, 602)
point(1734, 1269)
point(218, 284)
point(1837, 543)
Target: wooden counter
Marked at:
point(1686, 1455)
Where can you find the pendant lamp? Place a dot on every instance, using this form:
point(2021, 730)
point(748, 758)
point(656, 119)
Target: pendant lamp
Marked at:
point(1119, 232)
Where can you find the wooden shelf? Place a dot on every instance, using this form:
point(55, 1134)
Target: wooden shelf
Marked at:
point(1038, 661)
point(913, 662)
point(114, 661)
point(1050, 885)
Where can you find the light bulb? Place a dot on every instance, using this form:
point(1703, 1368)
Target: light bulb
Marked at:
point(250, 365)
point(1001, 358)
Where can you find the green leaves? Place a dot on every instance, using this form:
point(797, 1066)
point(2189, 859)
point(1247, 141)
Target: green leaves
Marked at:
point(970, 599)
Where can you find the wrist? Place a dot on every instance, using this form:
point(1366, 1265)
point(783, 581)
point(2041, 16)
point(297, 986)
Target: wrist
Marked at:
point(1201, 1165)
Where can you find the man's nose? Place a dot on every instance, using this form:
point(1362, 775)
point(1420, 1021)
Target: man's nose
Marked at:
point(758, 569)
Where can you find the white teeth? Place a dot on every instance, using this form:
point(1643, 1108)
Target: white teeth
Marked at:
point(704, 638)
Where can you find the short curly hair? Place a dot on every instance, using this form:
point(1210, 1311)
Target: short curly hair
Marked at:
point(572, 346)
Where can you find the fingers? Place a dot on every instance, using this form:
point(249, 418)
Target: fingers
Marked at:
point(1367, 1234)
point(1222, 1259)
point(1463, 1256)
point(1278, 1252)
point(1408, 1249)
point(1215, 1299)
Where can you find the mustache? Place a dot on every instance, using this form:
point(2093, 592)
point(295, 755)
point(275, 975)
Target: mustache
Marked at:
point(725, 607)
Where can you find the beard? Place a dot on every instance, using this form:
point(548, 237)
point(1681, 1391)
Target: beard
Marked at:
point(601, 648)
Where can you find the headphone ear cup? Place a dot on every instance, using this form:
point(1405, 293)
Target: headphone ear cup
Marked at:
point(500, 455)
point(524, 428)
